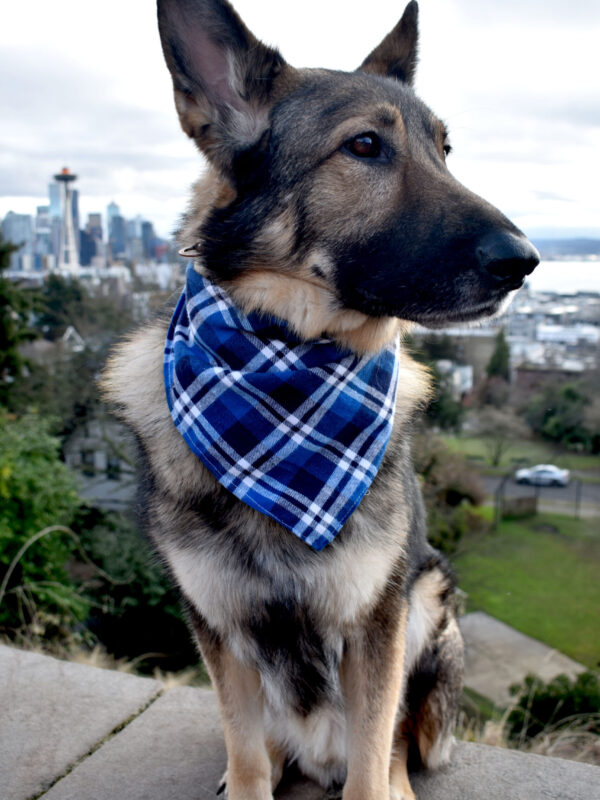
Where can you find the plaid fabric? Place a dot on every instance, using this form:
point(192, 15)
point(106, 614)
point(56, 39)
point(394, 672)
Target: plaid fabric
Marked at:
point(297, 430)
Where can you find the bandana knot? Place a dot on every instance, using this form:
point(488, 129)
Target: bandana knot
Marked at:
point(295, 429)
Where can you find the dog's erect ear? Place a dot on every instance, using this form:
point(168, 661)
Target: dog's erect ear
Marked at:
point(396, 56)
point(224, 78)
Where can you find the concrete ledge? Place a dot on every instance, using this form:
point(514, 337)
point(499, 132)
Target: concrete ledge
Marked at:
point(53, 713)
point(80, 733)
point(479, 772)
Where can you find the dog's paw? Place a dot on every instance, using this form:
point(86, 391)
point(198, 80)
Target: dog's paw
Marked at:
point(405, 794)
point(248, 792)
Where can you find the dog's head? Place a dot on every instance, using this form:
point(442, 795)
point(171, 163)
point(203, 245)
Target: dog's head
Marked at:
point(328, 201)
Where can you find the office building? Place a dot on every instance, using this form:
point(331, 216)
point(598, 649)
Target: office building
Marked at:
point(18, 229)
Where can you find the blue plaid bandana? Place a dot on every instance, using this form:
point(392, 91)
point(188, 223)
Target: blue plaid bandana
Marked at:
point(297, 430)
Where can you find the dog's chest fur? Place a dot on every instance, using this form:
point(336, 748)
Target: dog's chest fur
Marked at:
point(243, 572)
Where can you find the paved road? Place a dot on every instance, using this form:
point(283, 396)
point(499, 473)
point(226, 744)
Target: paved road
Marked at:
point(590, 492)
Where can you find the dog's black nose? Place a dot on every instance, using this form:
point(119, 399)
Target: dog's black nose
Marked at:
point(507, 257)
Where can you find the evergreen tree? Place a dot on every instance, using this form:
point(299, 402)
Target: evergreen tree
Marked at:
point(499, 363)
point(558, 413)
point(443, 411)
point(16, 305)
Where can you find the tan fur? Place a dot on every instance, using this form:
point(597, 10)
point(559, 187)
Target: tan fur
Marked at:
point(310, 308)
point(211, 191)
point(240, 702)
point(132, 379)
point(433, 741)
point(277, 758)
point(426, 614)
point(400, 788)
point(373, 678)
point(345, 201)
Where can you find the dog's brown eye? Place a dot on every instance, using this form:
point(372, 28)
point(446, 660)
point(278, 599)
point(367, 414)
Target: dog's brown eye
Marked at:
point(447, 149)
point(367, 145)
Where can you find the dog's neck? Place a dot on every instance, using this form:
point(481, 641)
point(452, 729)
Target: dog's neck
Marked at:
point(309, 308)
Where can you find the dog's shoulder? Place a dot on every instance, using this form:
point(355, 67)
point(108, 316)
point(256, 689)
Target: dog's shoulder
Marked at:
point(132, 378)
point(133, 383)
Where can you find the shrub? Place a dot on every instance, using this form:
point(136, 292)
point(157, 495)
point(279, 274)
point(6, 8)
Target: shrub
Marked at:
point(73, 574)
point(450, 489)
point(560, 413)
point(135, 611)
point(37, 501)
point(447, 478)
point(550, 705)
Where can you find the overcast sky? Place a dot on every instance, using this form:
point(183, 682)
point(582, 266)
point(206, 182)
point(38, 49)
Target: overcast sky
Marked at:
point(84, 85)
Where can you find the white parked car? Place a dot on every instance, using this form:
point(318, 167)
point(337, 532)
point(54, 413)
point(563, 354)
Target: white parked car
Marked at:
point(543, 475)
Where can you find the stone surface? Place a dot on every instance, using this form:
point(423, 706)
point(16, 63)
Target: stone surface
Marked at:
point(173, 751)
point(478, 772)
point(53, 713)
point(497, 656)
point(59, 719)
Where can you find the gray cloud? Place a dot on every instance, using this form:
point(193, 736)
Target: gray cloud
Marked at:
point(568, 109)
point(65, 114)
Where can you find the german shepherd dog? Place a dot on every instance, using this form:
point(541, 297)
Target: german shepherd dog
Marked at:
point(327, 204)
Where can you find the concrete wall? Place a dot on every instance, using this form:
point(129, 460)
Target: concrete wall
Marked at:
point(73, 732)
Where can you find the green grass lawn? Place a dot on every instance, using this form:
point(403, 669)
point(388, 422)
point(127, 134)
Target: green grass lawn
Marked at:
point(535, 452)
point(540, 575)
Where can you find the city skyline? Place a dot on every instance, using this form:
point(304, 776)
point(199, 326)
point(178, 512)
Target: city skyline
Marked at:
point(55, 237)
point(517, 85)
point(562, 276)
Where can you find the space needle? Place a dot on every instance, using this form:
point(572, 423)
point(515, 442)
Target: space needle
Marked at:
point(69, 257)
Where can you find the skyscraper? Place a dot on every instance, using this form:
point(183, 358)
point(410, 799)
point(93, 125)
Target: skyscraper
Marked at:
point(112, 210)
point(43, 246)
point(94, 226)
point(116, 235)
point(96, 251)
point(75, 213)
point(148, 240)
point(18, 229)
point(87, 248)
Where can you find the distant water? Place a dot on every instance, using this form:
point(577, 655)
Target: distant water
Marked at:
point(566, 277)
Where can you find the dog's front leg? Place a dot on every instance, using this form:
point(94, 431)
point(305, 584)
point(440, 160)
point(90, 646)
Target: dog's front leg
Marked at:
point(240, 699)
point(372, 678)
